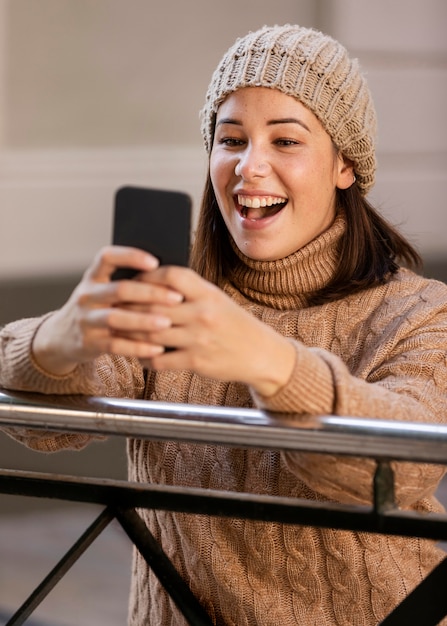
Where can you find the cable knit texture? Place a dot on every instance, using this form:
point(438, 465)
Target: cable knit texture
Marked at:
point(315, 69)
point(380, 353)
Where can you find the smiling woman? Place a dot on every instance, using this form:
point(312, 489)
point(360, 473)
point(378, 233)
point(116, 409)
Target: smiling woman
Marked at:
point(275, 172)
point(296, 301)
point(310, 86)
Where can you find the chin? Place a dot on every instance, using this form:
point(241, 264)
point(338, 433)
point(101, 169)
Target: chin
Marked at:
point(260, 256)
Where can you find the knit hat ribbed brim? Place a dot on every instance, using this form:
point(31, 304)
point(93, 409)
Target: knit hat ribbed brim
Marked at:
point(315, 69)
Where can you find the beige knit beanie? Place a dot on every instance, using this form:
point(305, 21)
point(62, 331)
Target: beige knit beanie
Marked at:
point(315, 69)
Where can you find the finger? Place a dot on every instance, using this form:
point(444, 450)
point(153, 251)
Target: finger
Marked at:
point(183, 314)
point(175, 359)
point(190, 338)
point(138, 349)
point(108, 341)
point(137, 292)
point(180, 279)
point(169, 294)
point(125, 321)
point(126, 292)
point(111, 258)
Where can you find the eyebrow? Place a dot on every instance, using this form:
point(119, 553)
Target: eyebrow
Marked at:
point(285, 120)
point(289, 120)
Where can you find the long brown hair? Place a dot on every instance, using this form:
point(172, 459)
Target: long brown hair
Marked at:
point(371, 249)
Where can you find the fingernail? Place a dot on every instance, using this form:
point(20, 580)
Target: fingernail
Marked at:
point(151, 262)
point(157, 350)
point(175, 296)
point(162, 322)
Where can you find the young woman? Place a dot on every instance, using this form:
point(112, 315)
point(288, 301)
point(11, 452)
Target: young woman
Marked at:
point(295, 301)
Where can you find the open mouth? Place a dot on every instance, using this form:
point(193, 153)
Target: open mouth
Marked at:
point(259, 207)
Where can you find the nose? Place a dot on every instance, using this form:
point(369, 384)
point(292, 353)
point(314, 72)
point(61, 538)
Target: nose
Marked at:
point(252, 163)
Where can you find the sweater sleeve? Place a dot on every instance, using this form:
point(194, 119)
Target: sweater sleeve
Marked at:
point(108, 375)
point(407, 382)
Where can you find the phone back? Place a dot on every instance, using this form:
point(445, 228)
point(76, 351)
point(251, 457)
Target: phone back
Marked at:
point(155, 220)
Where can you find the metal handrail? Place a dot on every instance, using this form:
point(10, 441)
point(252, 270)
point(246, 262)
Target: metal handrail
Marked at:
point(365, 437)
point(378, 439)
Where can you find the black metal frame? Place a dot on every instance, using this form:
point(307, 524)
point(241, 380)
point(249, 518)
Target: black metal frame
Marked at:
point(381, 440)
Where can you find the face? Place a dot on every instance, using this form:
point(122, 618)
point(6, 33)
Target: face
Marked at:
point(275, 172)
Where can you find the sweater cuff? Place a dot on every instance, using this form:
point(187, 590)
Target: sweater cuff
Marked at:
point(26, 375)
point(310, 388)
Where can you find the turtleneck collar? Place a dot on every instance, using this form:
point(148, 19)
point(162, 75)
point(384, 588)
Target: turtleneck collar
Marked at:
point(286, 283)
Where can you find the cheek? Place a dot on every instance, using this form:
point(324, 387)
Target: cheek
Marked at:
point(221, 168)
point(219, 181)
point(324, 178)
point(215, 172)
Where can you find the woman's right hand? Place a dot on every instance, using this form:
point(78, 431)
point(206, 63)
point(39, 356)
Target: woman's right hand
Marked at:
point(101, 316)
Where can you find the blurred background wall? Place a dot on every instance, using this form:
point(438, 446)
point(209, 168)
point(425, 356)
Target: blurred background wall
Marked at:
point(98, 93)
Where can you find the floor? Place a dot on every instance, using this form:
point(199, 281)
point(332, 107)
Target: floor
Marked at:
point(95, 590)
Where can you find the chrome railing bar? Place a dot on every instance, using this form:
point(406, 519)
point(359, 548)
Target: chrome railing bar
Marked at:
point(375, 438)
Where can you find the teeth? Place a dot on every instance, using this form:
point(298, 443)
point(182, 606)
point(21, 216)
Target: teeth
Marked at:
point(255, 202)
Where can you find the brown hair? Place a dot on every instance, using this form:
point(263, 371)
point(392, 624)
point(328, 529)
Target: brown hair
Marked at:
point(371, 249)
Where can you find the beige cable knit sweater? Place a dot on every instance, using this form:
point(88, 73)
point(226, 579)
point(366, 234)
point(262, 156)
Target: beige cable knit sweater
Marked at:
point(380, 353)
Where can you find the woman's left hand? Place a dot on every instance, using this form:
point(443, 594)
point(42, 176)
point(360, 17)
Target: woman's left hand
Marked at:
point(215, 337)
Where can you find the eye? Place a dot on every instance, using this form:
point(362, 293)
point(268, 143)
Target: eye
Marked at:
point(287, 142)
point(231, 142)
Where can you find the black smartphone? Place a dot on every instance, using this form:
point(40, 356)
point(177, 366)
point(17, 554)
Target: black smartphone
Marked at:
point(156, 220)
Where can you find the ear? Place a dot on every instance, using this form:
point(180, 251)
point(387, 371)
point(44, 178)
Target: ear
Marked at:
point(345, 169)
